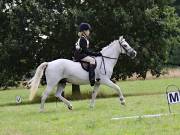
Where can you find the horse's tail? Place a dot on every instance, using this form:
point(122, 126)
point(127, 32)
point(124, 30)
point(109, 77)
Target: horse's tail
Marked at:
point(34, 82)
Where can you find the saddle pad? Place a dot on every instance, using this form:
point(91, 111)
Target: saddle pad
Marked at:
point(85, 65)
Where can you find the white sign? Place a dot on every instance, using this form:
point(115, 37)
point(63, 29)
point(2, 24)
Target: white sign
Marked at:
point(18, 99)
point(173, 97)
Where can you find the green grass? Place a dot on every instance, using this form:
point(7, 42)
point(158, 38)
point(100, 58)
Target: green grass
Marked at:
point(58, 120)
point(25, 120)
point(138, 87)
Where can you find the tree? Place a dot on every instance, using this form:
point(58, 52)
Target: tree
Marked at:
point(35, 31)
point(175, 50)
point(32, 32)
point(151, 27)
point(177, 6)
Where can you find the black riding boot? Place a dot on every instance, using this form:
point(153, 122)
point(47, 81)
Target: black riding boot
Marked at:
point(91, 75)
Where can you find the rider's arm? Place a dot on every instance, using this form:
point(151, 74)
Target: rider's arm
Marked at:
point(83, 45)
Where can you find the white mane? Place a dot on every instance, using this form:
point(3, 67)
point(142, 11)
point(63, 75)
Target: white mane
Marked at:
point(106, 47)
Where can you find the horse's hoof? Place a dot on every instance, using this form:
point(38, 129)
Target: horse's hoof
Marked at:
point(91, 106)
point(41, 110)
point(123, 103)
point(70, 107)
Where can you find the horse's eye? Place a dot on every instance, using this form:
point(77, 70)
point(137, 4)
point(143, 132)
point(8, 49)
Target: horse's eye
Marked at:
point(125, 46)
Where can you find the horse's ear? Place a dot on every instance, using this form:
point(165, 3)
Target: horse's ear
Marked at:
point(121, 38)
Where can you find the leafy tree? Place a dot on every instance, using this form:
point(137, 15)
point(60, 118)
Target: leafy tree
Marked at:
point(35, 31)
point(177, 6)
point(175, 50)
point(24, 26)
point(151, 27)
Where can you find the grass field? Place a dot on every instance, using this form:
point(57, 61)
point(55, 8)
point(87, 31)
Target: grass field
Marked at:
point(138, 87)
point(58, 120)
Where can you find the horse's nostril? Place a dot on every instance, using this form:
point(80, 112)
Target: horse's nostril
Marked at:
point(133, 54)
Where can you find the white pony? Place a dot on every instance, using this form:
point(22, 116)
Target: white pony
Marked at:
point(60, 69)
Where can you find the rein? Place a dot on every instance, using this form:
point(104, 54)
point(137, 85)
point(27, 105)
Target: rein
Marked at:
point(109, 57)
point(103, 62)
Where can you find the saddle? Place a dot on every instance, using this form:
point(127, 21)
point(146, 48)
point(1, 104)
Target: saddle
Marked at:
point(85, 65)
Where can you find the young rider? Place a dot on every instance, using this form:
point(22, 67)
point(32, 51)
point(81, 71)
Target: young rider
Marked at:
point(82, 51)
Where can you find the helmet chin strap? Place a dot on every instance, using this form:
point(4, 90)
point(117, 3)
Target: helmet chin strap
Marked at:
point(84, 34)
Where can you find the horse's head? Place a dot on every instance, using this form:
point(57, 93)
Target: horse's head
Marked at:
point(125, 48)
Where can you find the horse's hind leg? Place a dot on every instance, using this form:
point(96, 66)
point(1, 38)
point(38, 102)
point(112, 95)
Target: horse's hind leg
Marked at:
point(45, 95)
point(59, 91)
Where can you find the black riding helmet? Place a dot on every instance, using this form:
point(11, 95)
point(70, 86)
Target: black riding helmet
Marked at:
point(84, 26)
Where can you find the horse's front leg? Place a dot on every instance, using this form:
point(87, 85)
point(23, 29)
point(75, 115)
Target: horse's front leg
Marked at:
point(94, 94)
point(109, 83)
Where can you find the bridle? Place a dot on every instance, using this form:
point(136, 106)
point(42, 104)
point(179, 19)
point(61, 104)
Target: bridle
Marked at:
point(103, 62)
point(126, 50)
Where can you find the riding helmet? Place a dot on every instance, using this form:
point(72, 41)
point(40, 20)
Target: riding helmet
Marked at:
point(84, 26)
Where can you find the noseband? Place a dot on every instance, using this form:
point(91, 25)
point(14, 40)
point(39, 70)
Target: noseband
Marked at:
point(126, 50)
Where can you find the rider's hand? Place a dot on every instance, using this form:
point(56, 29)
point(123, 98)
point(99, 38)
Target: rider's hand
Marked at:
point(99, 54)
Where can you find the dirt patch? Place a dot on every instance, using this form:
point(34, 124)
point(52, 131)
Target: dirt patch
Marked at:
point(167, 73)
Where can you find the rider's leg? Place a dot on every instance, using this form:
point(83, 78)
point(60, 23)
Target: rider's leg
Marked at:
point(91, 69)
point(92, 74)
point(89, 60)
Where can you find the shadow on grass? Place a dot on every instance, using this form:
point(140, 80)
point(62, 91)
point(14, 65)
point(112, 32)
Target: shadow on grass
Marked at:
point(52, 98)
